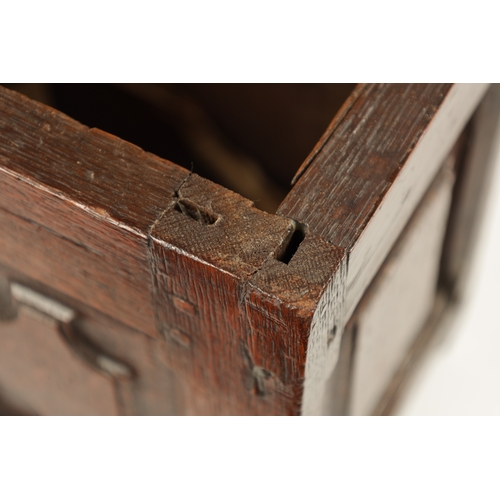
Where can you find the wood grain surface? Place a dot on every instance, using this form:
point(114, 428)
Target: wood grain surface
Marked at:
point(202, 256)
point(29, 347)
point(83, 202)
point(362, 186)
point(243, 312)
point(365, 182)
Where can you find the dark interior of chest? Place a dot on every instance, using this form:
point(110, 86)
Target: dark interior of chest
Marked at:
point(250, 138)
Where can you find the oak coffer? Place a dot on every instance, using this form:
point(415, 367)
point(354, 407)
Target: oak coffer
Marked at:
point(296, 263)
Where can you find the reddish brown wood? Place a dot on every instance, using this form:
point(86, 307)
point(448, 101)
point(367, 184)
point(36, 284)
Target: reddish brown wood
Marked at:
point(240, 315)
point(337, 120)
point(29, 347)
point(154, 389)
point(202, 269)
point(83, 202)
point(281, 303)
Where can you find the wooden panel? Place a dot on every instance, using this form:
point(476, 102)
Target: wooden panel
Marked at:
point(104, 173)
point(476, 158)
point(398, 302)
point(40, 373)
point(88, 201)
point(115, 288)
point(361, 188)
point(154, 389)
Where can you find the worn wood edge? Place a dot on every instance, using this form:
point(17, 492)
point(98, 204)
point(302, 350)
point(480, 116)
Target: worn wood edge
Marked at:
point(95, 212)
point(236, 220)
point(42, 122)
point(445, 175)
point(395, 222)
point(450, 297)
point(369, 121)
point(109, 254)
point(314, 390)
point(322, 360)
point(477, 161)
point(325, 340)
point(387, 218)
point(39, 137)
point(191, 255)
point(321, 327)
point(341, 113)
point(232, 245)
point(291, 292)
point(293, 295)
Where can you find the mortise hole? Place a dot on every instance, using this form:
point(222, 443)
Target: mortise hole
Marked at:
point(196, 212)
point(292, 244)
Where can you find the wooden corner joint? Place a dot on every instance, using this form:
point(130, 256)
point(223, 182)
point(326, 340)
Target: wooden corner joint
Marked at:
point(241, 288)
